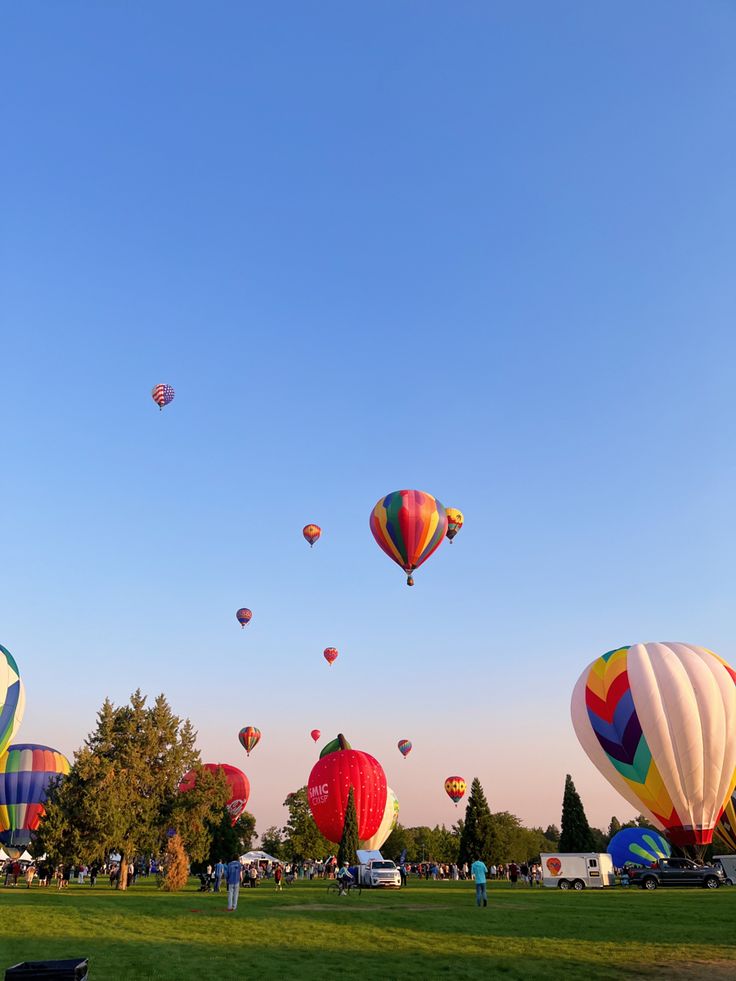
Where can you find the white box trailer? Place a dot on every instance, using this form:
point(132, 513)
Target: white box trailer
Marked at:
point(577, 870)
point(728, 864)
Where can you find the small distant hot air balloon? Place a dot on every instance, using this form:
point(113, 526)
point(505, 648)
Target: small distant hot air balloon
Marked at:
point(243, 616)
point(311, 533)
point(330, 655)
point(408, 525)
point(162, 395)
point(454, 522)
point(315, 734)
point(249, 738)
point(455, 788)
point(405, 747)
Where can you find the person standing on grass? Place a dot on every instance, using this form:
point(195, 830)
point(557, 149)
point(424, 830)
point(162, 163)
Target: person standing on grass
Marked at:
point(278, 874)
point(219, 873)
point(478, 870)
point(232, 877)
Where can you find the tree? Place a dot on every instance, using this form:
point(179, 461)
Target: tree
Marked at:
point(614, 827)
point(552, 833)
point(176, 865)
point(303, 840)
point(228, 840)
point(576, 835)
point(477, 839)
point(349, 841)
point(122, 792)
point(272, 841)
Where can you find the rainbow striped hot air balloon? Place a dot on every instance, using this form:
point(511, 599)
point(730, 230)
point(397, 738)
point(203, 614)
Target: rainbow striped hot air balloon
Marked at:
point(249, 738)
point(26, 771)
point(12, 698)
point(409, 526)
point(404, 747)
point(726, 827)
point(658, 722)
point(162, 395)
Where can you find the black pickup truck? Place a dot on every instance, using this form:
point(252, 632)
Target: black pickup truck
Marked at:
point(677, 872)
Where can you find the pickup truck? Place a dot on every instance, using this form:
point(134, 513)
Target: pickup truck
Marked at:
point(677, 872)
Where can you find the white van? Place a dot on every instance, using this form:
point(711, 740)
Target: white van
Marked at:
point(576, 870)
point(728, 864)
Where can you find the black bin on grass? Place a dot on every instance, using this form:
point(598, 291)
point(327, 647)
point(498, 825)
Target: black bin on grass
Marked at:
point(75, 969)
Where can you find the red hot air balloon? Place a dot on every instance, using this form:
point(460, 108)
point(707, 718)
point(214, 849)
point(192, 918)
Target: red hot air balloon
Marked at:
point(249, 738)
point(162, 395)
point(239, 786)
point(405, 747)
point(330, 655)
point(455, 788)
point(315, 734)
point(329, 785)
point(409, 526)
point(311, 533)
point(243, 616)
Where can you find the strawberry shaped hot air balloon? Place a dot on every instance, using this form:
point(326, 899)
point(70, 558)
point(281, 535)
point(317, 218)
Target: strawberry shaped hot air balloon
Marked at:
point(249, 738)
point(409, 526)
point(405, 747)
point(243, 616)
point(329, 785)
point(311, 533)
point(330, 655)
point(455, 788)
point(315, 734)
point(239, 786)
point(162, 395)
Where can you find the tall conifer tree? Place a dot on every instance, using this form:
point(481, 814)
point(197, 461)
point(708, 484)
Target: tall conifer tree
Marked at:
point(575, 835)
point(349, 841)
point(477, 838)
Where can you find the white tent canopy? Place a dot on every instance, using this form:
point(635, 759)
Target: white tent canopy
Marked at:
point(26, 856)
point(258, 857)
point(3, 855)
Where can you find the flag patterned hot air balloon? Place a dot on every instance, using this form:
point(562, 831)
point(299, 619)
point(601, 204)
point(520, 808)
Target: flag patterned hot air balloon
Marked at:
point(330, 655)
point(455, 789)
point(12, 698)
point(454, 522)
point(162, 395)
point(404, 747)
point(26, 771)
point(658, 722)
point(311, 533)
point(315, 734)
point(239, 786)
point(726, 827)
point(243, 616)
point(409, 526)
point(249, 738)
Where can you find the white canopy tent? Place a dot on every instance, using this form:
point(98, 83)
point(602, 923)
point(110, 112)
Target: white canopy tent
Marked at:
point(26, 856)
point(259, 857)
point(3, 855)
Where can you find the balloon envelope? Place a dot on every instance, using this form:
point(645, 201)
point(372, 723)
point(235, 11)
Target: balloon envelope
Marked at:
point(330, 655)
point(162, 395)
point(315, 734)
point(26, 771)
point(243, 616)
point(249, 738)
point(329, 785)
point(455, 788)
point(638, 846)
point(657, 720)
point(408, 525)
point(311, 533)
point(726, 827)
point(239, 786)
point(405, 747)
point(455, 521)
point(388, 823)
point(12, 698)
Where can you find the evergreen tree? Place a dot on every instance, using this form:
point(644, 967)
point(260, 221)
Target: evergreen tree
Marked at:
point(614, 827)
point(477, 839)
point(228, 840)
point(176, 865)
point(349, 841)
point(576, 835)
point(552, 833)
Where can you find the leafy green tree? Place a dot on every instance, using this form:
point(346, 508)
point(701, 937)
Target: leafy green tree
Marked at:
point(576, 835)
point(349, 841)
point(477, 839)
point(552, 833)
point(400, 838)
point(303, 840)
point(272, 841)
point(122, 792)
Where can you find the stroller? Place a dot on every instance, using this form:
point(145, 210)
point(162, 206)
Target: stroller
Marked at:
point(204, 883)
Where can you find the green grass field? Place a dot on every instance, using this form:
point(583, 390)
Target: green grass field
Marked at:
point(428, 930)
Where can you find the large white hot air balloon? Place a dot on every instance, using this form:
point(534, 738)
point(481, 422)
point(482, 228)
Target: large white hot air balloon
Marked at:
point(658, 720)
point(12, 698)
point(388, 823)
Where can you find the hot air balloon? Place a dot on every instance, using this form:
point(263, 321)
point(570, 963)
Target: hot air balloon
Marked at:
point(330, 655)
point(726, 827)
point(388, 822)
point(455, 789)
point(162, 395)
point(239, 786)
point(638, 846)
point(454, 522)
point(658, 722)
point(408, 525)
point(243, 616)
point(26, 771)
point(315, 734)
point(404, 747)
point(329, 785)
point(249, 738)
point(12, 698)
point(311, 533)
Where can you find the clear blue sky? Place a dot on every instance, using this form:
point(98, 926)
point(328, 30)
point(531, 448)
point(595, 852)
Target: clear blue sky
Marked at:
point(481, 249)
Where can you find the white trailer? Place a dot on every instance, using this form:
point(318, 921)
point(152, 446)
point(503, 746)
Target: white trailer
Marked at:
point(728, 864)
point(576, 870)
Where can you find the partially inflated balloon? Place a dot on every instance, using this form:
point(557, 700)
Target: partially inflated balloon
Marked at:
point(726, 827)
point(404, 747)
point(388, 823)
point(243, 616)
point(12, 698)
point(329, 785)
point(330, 655)
point(239, 786)
point(454, 522)
point(408, 525)
point(638, 846)
point(249, 738)
point(26, 771)
point(315, 734)
point(455, 789)
point(162, 395)
point(658, 722)
point(311, 533)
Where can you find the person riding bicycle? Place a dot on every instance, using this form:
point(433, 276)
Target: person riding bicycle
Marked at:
point(344, 878)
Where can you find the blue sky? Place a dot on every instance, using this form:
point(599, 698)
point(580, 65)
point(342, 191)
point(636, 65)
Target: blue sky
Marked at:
point(481, 249)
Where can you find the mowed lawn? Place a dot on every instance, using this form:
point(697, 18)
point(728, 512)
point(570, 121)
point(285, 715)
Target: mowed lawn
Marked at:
point(427, 930)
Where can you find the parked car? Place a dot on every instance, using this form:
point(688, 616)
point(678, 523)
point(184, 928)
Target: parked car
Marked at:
point(677, 872)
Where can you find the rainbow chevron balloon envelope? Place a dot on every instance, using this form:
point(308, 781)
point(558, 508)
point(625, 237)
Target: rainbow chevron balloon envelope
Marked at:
point(726, 829)
point(658, 720)
point(25, 773)
point(12, 698)
point(638, 846)
point(409, 526)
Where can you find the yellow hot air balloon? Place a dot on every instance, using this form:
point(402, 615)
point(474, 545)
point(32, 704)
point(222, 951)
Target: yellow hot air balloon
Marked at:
point(455, 521)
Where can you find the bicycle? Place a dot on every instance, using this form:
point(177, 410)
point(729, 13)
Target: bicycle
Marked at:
point(350, 888)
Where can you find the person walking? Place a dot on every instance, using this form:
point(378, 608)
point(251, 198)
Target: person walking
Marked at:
point(478, 870)
point(232, 877)
point(219, 873)
point(278, 874)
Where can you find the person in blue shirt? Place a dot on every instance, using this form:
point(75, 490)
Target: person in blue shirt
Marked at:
point(219, 873)
point(478, 870)
point(232, 877)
